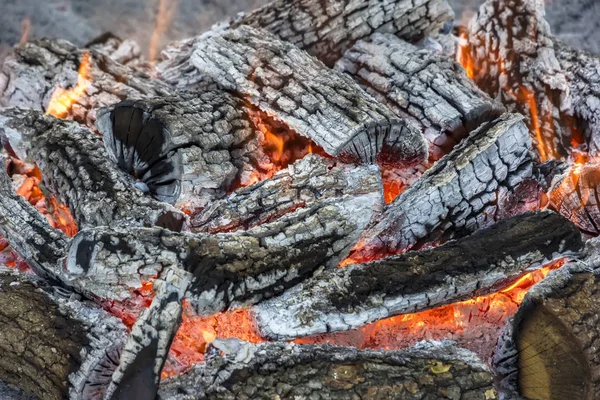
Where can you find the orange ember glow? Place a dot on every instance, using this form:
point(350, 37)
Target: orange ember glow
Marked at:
point(526, 97)
point(166, 11)
point(62, 100)
point(25, 30)
point(463, 55)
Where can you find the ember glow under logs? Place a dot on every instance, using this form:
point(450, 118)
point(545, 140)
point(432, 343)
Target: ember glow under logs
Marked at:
point(339, 198)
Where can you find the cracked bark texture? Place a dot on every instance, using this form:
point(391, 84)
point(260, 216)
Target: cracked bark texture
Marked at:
point(50, 344)
point(187, 149)
point(34, 70)
point(76, 169)
point(229, 269)
point(477, 265)
point(465, 191)
point(325, 29)
point(549, 349)
point(429, 370)
point(299, 91)
point(515, 57)
point(428, 89)
point(311, 179)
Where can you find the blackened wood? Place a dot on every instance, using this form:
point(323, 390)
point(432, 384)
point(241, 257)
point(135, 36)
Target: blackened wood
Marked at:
point(34, 70)
point(463, 192)
point(76, 169)
point(429, 370)
point(188, 149)
point(359, 294)
point(125, 52)
point(549, 350)
point(299, 91)
point(229, 269)
point(308, 180)
point(53, 347)
point(426, 88)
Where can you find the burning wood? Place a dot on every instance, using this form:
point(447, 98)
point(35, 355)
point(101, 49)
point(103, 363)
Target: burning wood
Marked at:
point(359, 294)
point(429, 370)
point(316, 102)
point(463, 192)
point(428, 89)
point(549, 350)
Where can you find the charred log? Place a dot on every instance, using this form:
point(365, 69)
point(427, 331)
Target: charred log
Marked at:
point(125, 52)
point(229, 269)
point(299, 91)
point(52, 347)
point(549, 350)
point(76, 169)
point(307, 181)
point(287, 371)
point(463, 192)
point(350, 297)
point(185, 149)
point(430, 90)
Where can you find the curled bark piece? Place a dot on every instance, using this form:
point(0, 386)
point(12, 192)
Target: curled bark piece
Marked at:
point(299, 91)
point(428, 89)
point(229, 269)
point(282, 370)
point(35, 69)
point(186, 149)
point(146, 349)
point(52, 347)
point(463, 192)
point(350, 297)
point(310, 179)
point(76, 169)
point(549, 350)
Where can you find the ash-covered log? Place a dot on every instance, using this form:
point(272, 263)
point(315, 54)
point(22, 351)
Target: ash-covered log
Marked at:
point(429, 370)
point(52, 346)
point(308, 180)
point(229, 269)
point(299, 91)
point(76, 169)
point(466, 190)
point(426, 88)
point(352, 296)
point(32, 73)
point(514, 56)
point(549, 350)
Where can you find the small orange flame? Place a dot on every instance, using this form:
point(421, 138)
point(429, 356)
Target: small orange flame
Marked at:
point(463, 54)
point(25, 30)
point(163, 21)
point(62, 100)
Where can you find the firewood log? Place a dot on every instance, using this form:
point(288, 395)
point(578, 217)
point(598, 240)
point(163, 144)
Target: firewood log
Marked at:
point(308, 180)
point(350, 297)
point(318, 103)
point(514, 56)
point(55, 347)
point(188, 149)
point(325, 29)
point(76, 169)
point(550, 348)
point(464, 191)
point(428, 89)
point(429, 370)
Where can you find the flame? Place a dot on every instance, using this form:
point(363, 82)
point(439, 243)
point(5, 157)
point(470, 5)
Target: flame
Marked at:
point(62, 100)
point(463, 54)
point(163, 21)
point(25, 30)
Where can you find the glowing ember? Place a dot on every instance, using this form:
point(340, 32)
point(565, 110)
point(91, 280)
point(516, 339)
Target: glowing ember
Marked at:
point(166, 11)
point(463, 55)
point(62, 100)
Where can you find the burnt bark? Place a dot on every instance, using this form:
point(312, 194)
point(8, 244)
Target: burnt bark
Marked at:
point(466, 190)
point(53, 347)
point(549, 349)
point(31, 74)
point(278, 370)
point(318, 103)
point(76, 169)
point(429, 89)
point(359, 294)
point(187, 149)
point(229, 269)
point(307, 181)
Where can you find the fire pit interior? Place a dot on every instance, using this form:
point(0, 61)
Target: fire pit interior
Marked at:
point(333, 199)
